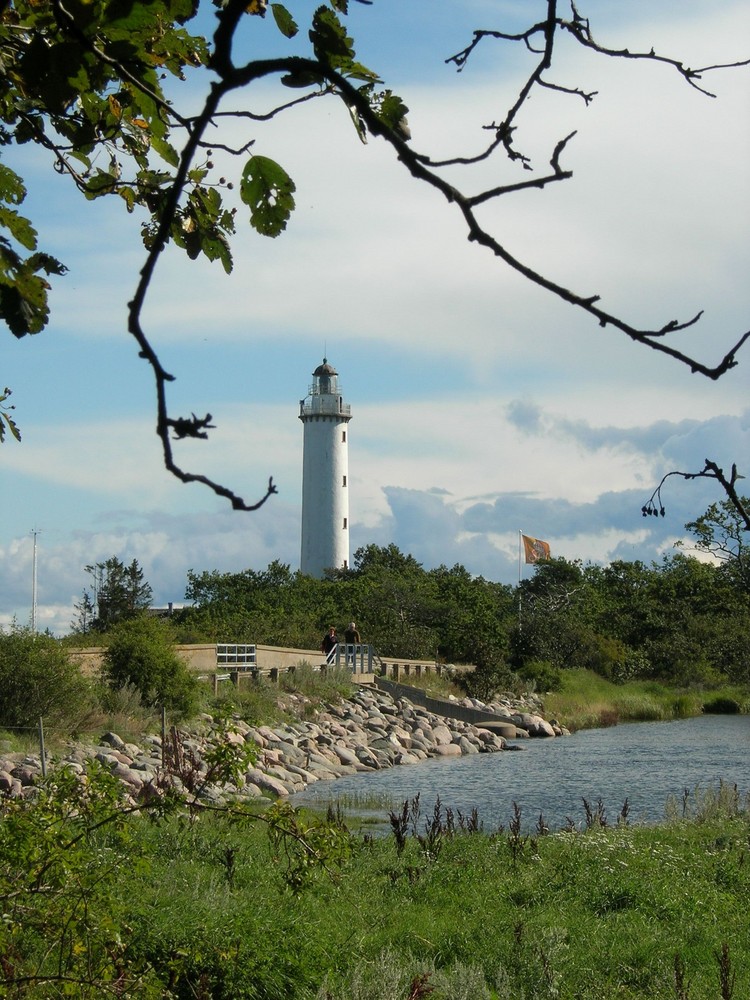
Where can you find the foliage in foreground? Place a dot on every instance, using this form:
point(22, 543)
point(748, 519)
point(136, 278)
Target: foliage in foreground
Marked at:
point(38, 679)
point(100, 902)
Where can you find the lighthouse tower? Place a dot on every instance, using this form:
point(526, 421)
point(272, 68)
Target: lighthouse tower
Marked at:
point(325, 475)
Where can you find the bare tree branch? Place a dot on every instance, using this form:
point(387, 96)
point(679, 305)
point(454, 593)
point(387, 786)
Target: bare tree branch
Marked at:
point(655, 507)
point(539, 39)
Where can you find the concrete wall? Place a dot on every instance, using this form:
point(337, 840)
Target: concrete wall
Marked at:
point(448, 709)
point(201, 658)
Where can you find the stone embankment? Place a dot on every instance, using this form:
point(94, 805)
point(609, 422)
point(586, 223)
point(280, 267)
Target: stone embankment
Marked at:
point(367, 732)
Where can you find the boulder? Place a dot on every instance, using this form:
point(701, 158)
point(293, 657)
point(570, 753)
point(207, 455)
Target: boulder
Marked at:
point(446, 750)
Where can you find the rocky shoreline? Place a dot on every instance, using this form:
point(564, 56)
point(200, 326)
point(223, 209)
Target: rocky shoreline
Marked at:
point(367, 732)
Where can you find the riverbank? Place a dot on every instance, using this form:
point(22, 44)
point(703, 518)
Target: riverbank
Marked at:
point(369, 731)
point(274, 903)
point(99, 905)
point(586, 700)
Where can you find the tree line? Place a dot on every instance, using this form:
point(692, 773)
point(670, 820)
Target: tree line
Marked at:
point(682, 620)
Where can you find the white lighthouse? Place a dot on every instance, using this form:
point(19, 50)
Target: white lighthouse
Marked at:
point(325, 475)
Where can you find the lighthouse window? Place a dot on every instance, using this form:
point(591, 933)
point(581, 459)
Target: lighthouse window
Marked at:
point(343, 437)
point(346, 522)
point(344, 482)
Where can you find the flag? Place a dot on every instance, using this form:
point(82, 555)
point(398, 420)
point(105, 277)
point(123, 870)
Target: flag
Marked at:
point(535, 549)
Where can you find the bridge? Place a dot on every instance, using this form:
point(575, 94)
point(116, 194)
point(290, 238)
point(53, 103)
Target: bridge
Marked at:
point(236, 660)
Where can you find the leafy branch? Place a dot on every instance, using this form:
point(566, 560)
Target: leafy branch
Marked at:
point(6, 420)
point(86, 80)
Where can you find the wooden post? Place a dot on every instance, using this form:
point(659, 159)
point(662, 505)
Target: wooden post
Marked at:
point(41, 747)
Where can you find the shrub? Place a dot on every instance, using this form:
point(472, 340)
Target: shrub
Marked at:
point(38, 680)
point(543, 675)
point(485, 682)
point(141, 653)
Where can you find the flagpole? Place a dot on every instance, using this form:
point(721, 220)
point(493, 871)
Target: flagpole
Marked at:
point(520, 547)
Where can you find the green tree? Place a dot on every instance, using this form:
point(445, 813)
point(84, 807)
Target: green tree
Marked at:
point(38, 680)
point(120, 592)
point(477, 617)
point(721, 531)
point(141, 652)
point(103, 88)
point(273, 606)
point(83, 623)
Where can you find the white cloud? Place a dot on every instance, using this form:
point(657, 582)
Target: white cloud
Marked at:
point(435, 339)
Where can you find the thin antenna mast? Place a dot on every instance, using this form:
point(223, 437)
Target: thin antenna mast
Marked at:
point(34, 533)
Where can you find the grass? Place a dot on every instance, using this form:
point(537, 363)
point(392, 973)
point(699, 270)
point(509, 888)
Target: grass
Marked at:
point(333, 684)
point(216, 908)
point(592, 915)
point(436, 685)
point(588, 701)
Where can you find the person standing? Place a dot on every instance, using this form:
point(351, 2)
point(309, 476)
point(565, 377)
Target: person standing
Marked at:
point(351, 635)
point(353, 642)
point(329, 644)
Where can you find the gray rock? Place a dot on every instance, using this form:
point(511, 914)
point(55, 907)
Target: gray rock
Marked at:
point(442, 735)
point(446, 750)
point(113, 740)
point(266, 783)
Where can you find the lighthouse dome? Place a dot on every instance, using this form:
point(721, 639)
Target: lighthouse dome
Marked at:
point(325, 369)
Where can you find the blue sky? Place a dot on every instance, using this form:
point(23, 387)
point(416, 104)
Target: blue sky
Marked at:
point(481, 404)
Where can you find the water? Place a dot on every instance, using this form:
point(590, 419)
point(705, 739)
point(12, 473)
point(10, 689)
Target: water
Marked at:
point(645, 763)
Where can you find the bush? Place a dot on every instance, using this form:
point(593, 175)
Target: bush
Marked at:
point(543, 675)
point(38, 680)
point(486, 682)
point(141, 653)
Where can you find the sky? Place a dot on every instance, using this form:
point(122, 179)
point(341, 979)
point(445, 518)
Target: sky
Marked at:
point(482, 405)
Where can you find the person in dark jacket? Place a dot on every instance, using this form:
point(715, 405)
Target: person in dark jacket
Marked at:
point(330, 641)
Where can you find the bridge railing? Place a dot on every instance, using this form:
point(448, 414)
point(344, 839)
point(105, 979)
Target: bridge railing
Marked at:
point(234, 660)
point(356, 656)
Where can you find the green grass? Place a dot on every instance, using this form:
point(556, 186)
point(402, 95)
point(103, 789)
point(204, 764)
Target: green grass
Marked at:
point(436, 685)
point(214, 907)
point(588, 701)
point(572, 916)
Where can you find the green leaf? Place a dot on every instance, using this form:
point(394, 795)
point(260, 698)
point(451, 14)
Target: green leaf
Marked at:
point(23, 292)
point(128, 196)
point(12, 189)
point(284, 20)
point(166, 152)
point(12, 427)
point(101, 183)
point(329, 38)
point(334, 48)
point(19, 227)
point(5, 417)
point(392, 109)
point(269, 192)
